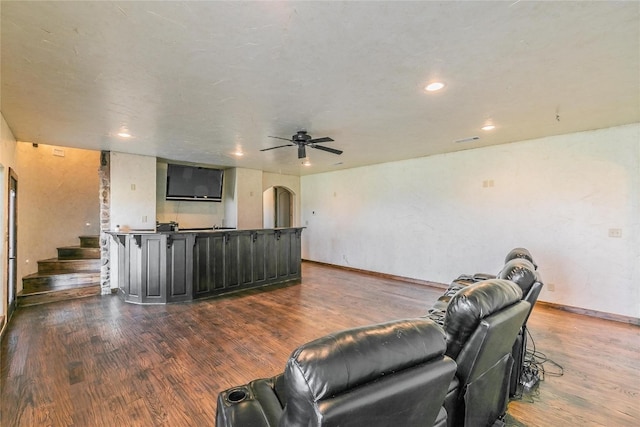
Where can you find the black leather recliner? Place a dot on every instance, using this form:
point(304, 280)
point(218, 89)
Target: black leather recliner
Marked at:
point(481, 324)
point(520, 268)
point(390, 374)
point(522, 272)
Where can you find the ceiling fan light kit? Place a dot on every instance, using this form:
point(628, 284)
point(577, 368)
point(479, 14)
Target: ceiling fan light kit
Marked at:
point(302, 140)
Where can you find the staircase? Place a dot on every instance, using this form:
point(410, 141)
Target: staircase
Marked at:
point(74, 274)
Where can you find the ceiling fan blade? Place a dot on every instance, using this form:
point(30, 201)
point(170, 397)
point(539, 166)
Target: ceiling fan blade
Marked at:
point(277, 137)
point(330, 150)
point(302, 153)
point(317, 140)
point(279, 146)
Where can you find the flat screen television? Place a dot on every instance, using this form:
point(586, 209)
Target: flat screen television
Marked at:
point(194, 183)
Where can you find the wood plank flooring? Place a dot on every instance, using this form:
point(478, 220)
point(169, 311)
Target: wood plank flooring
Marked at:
point(101, 362)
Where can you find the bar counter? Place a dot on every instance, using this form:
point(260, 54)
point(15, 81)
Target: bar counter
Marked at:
point(166, 267)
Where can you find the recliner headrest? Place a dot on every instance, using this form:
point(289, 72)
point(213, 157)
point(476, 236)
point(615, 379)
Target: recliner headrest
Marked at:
point(521, 272)
point(520, 253)
point(472, 304)
point(346, 359)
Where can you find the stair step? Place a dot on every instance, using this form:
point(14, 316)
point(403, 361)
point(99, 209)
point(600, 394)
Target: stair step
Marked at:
point(55, 265)
point(90, 241)
point(41, 282)
point(78, 252)
point(37, 298)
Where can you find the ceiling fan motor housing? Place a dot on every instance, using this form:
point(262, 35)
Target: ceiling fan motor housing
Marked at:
point(301, 136)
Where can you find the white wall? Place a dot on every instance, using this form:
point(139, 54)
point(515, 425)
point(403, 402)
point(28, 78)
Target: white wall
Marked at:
point(133, 191)
point(436, 217)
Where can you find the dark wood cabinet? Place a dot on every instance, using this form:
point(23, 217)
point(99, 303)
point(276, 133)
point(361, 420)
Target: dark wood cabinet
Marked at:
point(157, 268)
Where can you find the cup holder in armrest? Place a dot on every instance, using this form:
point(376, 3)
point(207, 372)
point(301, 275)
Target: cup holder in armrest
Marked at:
point(237, 395)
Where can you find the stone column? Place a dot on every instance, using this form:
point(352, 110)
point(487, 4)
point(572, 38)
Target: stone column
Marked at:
point(105, 222)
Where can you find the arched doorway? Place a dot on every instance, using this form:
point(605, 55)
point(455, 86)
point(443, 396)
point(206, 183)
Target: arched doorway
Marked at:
point(277, 207)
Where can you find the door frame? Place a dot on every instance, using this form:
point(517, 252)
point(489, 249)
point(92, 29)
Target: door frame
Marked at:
point(12, 242)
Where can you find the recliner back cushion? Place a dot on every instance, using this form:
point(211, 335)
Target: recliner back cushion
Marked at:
point(520, 253)
point(344, 360)
point(521, 272)
point(472, 304)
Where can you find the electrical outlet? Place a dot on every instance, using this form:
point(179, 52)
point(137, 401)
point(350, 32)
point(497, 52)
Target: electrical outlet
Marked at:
point(615, 232)
point(144, 218)
point(551, 287)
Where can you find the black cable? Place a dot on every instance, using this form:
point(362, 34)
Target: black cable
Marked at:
point(534, 371)
point(537, 359)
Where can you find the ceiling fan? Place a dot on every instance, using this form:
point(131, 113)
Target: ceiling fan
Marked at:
point(302, 140)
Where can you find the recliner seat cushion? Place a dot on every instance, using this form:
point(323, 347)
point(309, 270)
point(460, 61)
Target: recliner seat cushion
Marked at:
point(472, 304)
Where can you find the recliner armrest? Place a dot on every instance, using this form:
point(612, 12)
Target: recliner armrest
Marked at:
point(255, 404)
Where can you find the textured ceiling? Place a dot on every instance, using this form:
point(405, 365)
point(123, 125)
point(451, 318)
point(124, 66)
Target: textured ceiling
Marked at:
point(197, 81)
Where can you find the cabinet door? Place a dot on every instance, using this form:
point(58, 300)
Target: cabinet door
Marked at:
point(259, 255)
point(232, 260)
point(283, 239)
point(245, 258)
point(153, 269)
point(208, 264)
point(271, 255)
point(180, 267)
point(295, 252)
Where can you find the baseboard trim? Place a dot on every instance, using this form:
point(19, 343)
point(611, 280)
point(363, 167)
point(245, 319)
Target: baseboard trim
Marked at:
point(592, 313)
point(382, 275)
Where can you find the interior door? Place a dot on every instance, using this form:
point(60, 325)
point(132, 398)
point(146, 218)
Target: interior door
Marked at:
point(283, 208)
point(12, 252)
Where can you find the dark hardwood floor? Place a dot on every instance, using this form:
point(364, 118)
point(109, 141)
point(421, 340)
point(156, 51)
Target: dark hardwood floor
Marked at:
point(99, 361)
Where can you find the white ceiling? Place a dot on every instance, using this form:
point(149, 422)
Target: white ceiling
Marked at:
point(196, 81)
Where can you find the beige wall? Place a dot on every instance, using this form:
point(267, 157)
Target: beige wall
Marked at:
point(243, 198)
point(58, 201)
point(7, 160)
point(249, 197)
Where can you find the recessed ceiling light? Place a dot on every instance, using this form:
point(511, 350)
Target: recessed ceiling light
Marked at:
point(488, 127)
point(306, 163)
point(238, 153)
point(435, 86)
point(123, 132)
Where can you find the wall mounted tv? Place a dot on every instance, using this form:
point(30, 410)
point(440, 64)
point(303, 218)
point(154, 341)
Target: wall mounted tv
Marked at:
point(194, 183)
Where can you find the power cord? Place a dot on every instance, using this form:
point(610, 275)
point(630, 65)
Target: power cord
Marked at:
point(536, 361)
point(534, 370)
